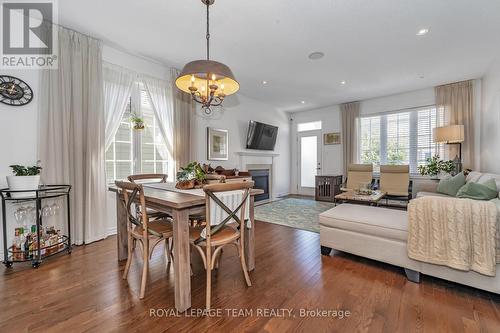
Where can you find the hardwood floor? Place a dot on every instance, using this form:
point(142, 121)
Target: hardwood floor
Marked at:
point(84, 292)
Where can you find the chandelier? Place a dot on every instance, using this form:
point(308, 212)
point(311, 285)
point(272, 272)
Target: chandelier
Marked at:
point(208, 81)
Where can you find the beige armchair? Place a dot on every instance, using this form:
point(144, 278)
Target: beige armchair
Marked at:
point(395, 180)
point(358, 174)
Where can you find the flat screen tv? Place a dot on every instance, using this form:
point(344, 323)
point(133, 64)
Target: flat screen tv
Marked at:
point(261, 136)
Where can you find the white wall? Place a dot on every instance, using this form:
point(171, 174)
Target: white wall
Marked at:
point(238, 111)
point(490, 120)
point(18, 135)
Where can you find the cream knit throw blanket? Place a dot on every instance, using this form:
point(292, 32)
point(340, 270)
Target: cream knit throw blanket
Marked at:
point(459, 233)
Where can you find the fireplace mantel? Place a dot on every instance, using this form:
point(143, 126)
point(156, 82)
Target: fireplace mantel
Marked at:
point(257, 153)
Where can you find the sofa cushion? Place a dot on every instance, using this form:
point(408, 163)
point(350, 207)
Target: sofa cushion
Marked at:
point(450, 186)
point(478, 177)
point(478, 191)
point(375, 221)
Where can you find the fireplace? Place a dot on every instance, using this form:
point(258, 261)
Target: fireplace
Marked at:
point(261, 179)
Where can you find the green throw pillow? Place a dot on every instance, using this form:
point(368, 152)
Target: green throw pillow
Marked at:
point(450, 186)
point(484, 191)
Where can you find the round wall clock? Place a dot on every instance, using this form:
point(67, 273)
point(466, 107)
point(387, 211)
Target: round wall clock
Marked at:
point(14, 91)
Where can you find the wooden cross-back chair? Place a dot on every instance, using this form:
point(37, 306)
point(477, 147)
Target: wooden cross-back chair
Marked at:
point(139, 228)
point(150, 178)
point(220, 233)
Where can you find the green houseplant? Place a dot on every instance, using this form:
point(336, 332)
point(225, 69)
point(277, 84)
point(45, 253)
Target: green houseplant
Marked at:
point(436, 166)
point(191, 176)
point(25, 178)
point(137, 122)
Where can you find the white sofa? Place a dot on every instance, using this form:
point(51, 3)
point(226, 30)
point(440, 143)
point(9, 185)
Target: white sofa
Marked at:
point(381, 234)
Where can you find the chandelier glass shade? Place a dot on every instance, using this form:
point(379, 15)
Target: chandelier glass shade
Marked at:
point(208, 81)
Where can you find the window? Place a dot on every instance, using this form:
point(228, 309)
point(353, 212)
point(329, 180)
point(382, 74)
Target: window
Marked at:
point(400, 138)
point(137, 151)
point(311, 126)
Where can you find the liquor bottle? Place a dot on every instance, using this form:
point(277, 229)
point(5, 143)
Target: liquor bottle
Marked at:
point(16, 244)
point(27, 245)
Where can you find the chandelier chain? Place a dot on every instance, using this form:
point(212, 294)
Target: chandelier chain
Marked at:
point(208, 30)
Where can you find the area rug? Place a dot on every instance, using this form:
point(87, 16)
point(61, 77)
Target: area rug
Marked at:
point(293, 212)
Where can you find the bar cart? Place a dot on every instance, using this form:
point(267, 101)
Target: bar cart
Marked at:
point(38, 250)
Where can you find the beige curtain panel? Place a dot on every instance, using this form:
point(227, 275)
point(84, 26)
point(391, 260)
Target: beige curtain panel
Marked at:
point(457, 101)
point(183, 109)
point(71, 132)
point(350, 115)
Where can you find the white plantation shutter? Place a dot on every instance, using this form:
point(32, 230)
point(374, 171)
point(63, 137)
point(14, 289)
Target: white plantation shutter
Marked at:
point(401, 137)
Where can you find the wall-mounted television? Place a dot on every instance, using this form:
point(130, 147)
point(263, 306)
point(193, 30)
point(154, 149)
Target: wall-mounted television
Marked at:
point(261, 136)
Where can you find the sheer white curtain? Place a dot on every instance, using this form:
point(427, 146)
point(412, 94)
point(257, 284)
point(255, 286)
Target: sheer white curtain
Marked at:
point(118, 83)
point(160, 95)
point(71, 132)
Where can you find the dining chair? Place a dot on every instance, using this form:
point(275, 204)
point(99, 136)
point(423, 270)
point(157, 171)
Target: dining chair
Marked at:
point(395, 180)
point(139, 228)
point(358, 175)
point(227, 209)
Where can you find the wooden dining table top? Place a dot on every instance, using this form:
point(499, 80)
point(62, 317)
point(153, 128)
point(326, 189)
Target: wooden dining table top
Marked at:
point(173, 199)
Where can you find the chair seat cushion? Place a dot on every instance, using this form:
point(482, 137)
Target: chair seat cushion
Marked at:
point(161, 228)
point(224, 235)
point(375, 221)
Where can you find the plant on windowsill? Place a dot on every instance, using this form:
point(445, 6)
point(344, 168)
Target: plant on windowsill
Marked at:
point(435, 166)
point(137, 122)
point(191, 176)
point(25, 178)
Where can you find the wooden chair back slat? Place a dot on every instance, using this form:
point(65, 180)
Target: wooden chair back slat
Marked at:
point(130, 191)
point(148, 176)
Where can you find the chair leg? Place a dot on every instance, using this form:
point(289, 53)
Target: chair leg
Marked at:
point(129, 257)
point(241, 251)
point(145, 265)
point(171, 249)
point(167, 252)
point(209, 277)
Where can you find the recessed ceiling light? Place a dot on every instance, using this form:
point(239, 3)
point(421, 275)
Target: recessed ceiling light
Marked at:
point(264, 82)
point(316, 55)
point(422, 32)
point(343, 82)
point(303, 102)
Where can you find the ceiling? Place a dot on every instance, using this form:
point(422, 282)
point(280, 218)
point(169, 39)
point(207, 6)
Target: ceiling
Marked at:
point(372, 45)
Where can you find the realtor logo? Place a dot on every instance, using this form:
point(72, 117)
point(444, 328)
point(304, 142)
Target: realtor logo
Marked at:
point(29, 36)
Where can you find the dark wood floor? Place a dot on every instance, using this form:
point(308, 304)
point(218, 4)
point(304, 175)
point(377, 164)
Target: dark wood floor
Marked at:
point(84, 292)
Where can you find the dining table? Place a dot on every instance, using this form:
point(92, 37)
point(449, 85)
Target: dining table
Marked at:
point(179, 204)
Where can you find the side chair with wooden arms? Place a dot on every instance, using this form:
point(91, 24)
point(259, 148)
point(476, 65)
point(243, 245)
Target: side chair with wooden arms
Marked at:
point(140, 228)
point(227, 207)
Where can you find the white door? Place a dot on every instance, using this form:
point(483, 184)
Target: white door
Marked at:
point(309, 161)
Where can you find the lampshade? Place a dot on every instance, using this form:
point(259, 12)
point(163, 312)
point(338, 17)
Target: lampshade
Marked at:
point(449, 134)
point(196, 73)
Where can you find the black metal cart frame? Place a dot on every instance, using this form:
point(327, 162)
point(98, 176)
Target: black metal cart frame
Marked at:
point(42, 193)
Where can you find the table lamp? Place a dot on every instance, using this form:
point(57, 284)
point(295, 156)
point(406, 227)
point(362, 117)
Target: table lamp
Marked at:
point(451, 134)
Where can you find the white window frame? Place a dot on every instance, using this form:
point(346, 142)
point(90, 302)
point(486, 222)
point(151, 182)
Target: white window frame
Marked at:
point(413, 134)
point(136, 138)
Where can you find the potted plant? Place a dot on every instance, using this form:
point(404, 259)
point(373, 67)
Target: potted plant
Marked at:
point(25, 178)
point(137, 122)
point(435, 166)
point(191, 176)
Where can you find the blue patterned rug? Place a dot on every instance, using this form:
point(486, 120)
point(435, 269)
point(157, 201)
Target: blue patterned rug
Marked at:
point(293, 212)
